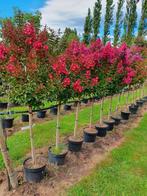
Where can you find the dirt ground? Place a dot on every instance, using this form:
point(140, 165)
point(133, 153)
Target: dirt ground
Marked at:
point(77, 165)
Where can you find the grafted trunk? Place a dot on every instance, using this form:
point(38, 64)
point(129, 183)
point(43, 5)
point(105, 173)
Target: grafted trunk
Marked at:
point(31, 135)
point(110, 107)
point(91, 114)
point(118, 102)
point(6, 158)
point(76, 119)
point(101, 111)
point(58, 126)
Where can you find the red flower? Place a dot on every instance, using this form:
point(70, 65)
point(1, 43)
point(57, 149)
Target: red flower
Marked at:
point(77, 86)
point(45, 47)
point(94, 81)
point(87, 75)
point(66, 82)
point(29, 29)
point(74, 68)
point(50, 76)
point(127, 80)
point(37, 45)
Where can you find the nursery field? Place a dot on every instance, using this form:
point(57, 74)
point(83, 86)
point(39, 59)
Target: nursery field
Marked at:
point(124, 172)
point(44, 133)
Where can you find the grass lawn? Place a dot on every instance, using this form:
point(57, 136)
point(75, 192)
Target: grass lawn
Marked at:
point(124, 173)
point(44, 134)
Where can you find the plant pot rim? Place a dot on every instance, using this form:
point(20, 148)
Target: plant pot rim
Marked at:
point(109, 121)
point(116, 117)
point(33, 169)
point(9, 118)
point(101, 126)
point(73, 139)
point(61, 154)
point(126, 112)
point(91, 131)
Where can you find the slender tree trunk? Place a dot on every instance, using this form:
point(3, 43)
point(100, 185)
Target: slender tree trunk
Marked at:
point(101, 111)
point(58, 126)
point(6, 158)
point(76, 119)
point(31, 135)
point(118, 103)
point(110, 108)
point(127, 99)
point(91, 114)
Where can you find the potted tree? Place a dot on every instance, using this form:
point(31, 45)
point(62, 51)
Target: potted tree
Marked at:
point(27, 68)
point(60, 92)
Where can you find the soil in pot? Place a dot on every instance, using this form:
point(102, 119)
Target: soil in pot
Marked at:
point(75, 144)
point(8, 123)
point(41, 114)
point(125, 115)
point(101, 130)
point(53, 110)
point(117, 119)
point(3, 105)
point(67, 107)
point(90, 135)
point(25, 118)
point(110, 124)
point(57, 156)
point(34, 173)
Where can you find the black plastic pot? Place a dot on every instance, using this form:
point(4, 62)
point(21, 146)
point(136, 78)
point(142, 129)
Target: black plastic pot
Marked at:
point(58, 159)
point(110, 124)
point(90, 135)
point(85, 101)
point(67, 107)
point(139, 103)
point(53, 110)
point(41, 114)
point(101, 130)
point(133, 109)
point(25, 118)
point(3, 105)
point(74, 145)
point(8, 123)
point(33, 175)
point(125, 115)
point(117, 120)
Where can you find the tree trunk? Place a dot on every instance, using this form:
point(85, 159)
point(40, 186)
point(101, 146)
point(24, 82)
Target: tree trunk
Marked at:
point(127, 99)
point(76, 119)
point(110, 108)
point(91, 114)
point(31, 135)
point(58, 126)
point(101, 111)
point(6, 158)
point(118, 103)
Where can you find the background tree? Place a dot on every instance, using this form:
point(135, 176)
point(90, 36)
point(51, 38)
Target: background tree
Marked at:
point(96, 18)
point(68, 36)
point(108, 19)
point(118, 24)
point(130, 21)
point(143, 20)
point(87, 27)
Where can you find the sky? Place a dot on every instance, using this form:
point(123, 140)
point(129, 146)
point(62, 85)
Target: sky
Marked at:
point(58, 13)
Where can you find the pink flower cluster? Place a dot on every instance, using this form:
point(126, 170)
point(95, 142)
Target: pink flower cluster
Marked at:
point(3, 51)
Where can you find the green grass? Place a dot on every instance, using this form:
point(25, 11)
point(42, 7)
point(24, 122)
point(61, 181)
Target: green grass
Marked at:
point(124, 173)
point(44, 134)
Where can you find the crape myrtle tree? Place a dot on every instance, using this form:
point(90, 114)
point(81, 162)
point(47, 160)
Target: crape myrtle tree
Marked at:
point(26, 67)
point(108, 20)
point(60, 89)
point(96, 18)
point(119, 20)
point(81, 65)
point(87, 28)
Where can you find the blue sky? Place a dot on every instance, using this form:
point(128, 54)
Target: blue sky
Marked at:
point(57, 13)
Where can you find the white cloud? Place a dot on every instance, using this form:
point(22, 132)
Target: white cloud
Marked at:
point(70, 13)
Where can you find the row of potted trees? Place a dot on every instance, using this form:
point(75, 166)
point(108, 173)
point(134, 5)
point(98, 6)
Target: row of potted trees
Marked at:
point(34, 76)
